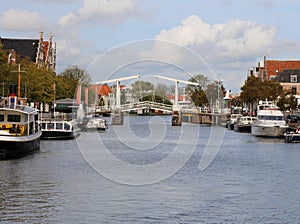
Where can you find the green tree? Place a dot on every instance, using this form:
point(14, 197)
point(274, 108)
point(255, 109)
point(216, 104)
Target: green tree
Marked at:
point(69, 80)
point(197, 93)
point(251, 90)
point(214, 91)
point(255, 89)
point(160, 90)
point(287, 101)
point(141, 89)
point(157, 99)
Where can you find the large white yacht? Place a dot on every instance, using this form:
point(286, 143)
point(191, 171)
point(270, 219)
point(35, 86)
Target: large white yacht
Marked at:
point(270, 121)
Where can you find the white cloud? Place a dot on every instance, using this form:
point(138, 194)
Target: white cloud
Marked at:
point(100, 10)
point(14, 19)
point(234, 39)
point(228, 48)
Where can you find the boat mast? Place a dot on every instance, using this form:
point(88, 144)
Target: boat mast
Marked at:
point(19, 80)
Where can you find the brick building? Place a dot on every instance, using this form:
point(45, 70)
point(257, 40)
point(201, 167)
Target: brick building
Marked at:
point(39, 51)
point(290, 80)
point(270, 69)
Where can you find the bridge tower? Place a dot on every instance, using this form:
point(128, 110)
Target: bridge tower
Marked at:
point(117, 114)
point(176, 116)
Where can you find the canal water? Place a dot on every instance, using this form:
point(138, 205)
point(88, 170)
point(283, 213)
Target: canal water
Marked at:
point(141, 173)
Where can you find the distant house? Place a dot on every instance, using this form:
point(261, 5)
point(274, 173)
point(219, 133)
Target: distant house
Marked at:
point(290, 79)
point(104, 94)
point(41, 52)
point(270, 69)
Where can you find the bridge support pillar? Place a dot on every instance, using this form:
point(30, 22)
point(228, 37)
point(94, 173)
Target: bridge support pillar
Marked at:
point(176, 118)
point(117, 117)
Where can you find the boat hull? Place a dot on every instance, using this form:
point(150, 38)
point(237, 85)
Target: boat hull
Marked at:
point(268, 131)
point(230, 126)
point(12, 147)
point(59, 135)
point(292, 137)
point(242, 128)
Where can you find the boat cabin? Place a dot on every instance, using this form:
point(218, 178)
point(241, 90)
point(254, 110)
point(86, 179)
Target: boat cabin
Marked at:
point(18, 121)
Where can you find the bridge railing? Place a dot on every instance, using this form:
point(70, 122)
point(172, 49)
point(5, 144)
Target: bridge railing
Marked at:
point(202, 110)
point(146, 105)
point(162, 106)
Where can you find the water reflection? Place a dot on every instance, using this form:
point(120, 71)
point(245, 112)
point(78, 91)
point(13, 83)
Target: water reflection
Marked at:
point(251, 180)
point(25, 193)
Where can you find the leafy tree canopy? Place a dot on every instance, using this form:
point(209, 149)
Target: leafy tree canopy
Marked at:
point(255, 89)
point(37, 83)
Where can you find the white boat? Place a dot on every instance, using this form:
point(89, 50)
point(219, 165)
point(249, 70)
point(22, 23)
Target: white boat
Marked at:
point(233, 120)
point(19, 130)
point(270, 121)
point(96, 124)
point(292, 135)
point(244, 124)
point(59, 129)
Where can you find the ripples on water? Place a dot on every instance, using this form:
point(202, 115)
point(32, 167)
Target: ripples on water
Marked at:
point(251, 180)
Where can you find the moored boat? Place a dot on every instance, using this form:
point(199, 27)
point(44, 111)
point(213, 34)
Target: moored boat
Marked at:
point(19, 130)
point(243, 124)
point(59, 129)
point(96, 124)
point(233, 120)
point(270, 121)
point(292, 135)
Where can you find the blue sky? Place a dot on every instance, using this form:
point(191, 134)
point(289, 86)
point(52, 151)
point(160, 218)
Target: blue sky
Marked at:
point(218, 38)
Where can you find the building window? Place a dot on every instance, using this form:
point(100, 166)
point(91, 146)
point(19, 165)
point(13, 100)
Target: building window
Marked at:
point(294, 90)
point(293, 78)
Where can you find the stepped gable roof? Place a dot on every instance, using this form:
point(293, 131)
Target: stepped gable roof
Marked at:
point(23, 47)
point(285, 75)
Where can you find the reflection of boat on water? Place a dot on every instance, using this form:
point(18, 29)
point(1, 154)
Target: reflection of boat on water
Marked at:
point(59, 129)
point(96, 124)
point(19, 129)
point(270, 121)
point(243, 124)
point(292, 135)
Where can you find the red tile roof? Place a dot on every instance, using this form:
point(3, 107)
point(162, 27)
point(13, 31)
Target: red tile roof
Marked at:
point(101, 90)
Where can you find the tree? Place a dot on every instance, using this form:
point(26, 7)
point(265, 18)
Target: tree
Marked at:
point(287, 101)
point(214, 91)
point(141, 89)
point(160, 90)
point(255, 89)
point(69, 80)
point(157, 99)
point(251, 90)
point(202, 80)
point(197, 93)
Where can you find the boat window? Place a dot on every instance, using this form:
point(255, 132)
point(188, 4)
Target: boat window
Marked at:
point(59, 126)
point(43, 125)
point(276, 118)
point(1, 117)
point(13, 118)
point(50, 126)
point(67, 127)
